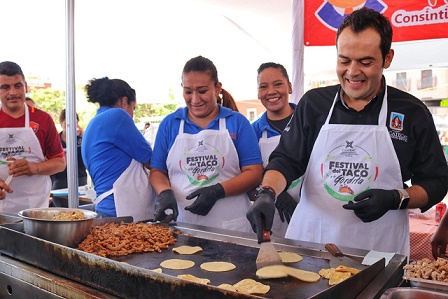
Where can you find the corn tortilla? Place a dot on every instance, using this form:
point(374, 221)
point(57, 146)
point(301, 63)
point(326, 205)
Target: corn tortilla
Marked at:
point(227, 287)
point(217, 266)
point(187, 249)
point(194, 278)
point(273, 271)
point(347, 269)
point(338, 277)
point(302, 275)
point(326, 273)
point(250, 286)
point(177, 264)
point(290, 257)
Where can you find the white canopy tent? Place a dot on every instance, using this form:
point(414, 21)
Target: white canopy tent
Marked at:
point(147, 43)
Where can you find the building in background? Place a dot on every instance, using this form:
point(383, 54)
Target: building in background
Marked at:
point(38, 82)
point(251, 109)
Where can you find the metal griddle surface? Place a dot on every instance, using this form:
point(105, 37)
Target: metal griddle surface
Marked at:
point(243, 257)
point(129, 276)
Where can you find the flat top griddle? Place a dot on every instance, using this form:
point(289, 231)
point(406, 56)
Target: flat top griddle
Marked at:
point(243, 257)
point(129, 276)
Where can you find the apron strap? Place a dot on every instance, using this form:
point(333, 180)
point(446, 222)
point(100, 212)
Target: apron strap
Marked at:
point(381, 118)
point(222, 124)
point(103, 196)
point(264, 134)
point(181, 127)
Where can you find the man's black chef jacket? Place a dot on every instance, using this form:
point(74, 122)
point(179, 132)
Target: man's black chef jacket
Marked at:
point(417, 145)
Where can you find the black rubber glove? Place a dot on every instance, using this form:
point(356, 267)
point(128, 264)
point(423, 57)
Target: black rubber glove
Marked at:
point(261, 213)
point(206, 199)
point(372, 204)
point(166, 200)
point(285, 205)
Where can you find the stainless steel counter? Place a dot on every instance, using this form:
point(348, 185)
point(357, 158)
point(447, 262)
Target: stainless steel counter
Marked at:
point(20, 280)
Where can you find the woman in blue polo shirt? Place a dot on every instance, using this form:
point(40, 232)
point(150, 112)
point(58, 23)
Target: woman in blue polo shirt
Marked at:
point(115, 152)
point(206, 156)
point(274, 89)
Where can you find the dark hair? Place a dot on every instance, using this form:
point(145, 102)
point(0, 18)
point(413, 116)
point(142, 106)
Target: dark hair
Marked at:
point(273, 65)
point(10, 68)
point(107, 91)
point(226, 100)
point(365, 18)
point(202, 64)
point(62, 116)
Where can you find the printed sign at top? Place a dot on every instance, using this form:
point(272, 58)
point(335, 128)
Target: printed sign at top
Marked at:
point(410, 19)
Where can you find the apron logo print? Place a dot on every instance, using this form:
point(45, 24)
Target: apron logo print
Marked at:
point(202, 164)
point(396, 121)
point(12, 147)
point(347, 171)
point(346, 189)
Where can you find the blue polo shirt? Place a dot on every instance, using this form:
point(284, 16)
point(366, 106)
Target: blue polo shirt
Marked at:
point(239, 128)
point(110, 142)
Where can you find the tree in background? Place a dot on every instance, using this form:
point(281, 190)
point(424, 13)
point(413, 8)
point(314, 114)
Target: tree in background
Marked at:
point(143, 111)
point(52, 101)
point(49, 100)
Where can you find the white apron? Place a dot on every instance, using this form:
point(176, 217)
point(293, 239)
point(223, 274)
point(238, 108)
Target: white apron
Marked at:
point(267, 146)
point(29, 191)
point(204, 159)
point(133, 195)
point(346, 160)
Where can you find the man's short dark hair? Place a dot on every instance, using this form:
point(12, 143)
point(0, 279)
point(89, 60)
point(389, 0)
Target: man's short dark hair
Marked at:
point(364, 18)
point(10, 68)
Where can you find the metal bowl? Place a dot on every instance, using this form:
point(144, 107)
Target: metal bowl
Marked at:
point(38, 222)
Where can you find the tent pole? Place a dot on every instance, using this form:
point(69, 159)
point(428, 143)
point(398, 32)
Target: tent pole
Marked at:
point(298, 49)
point(70, 104)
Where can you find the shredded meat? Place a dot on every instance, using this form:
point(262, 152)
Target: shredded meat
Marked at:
point(114, 239)
point(75, 215)
point(427, 269)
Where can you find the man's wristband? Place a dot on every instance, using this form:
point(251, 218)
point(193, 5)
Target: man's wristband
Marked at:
point(268, 189)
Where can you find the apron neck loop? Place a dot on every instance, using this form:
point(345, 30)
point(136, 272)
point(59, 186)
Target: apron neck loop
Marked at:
point(383, 112)
point(27, 117)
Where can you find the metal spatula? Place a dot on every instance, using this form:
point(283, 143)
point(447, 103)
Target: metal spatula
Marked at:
point(340, 259)
point(267, 255)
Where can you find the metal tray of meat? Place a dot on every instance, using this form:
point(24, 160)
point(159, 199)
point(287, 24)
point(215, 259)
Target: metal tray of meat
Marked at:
point(426, 283)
